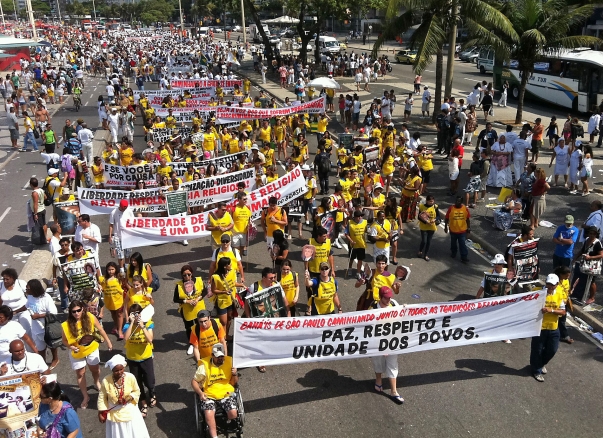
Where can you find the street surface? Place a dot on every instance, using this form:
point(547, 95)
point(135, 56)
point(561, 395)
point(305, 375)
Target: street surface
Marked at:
point(482, 390)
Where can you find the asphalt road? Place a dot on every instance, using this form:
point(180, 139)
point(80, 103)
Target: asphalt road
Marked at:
point(482, 390)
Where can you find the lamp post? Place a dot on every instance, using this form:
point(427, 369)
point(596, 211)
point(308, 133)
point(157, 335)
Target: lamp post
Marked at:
point(243, 25)
point(31, 20)
point(94, 10)
point(181, 19)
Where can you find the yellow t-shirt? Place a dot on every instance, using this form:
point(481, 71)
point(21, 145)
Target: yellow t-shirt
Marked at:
point(357, 231)
point(241, 216)
point(311, 184)
point(322, 125)
point(140, 299)
point(137, 346)
point(113, 293)
point(217, 378)
point(214, 221)
point(425, 163)
point(188, 311)
point(409, 184)
point(555, 301)
point(382, 231)
point(388, 166)
point(288, 285)
point(346, 186)
point(322, 296)
point(279, 133)
point(377, 282)
point(271, 226)
point(269, 156)
point(209, 141)
point(126, 156)
point(431, 211)
point(322, 255)
point(170, 122)
point(224, 301)
point(74, 340)
point(164, 171)
point(265, 134)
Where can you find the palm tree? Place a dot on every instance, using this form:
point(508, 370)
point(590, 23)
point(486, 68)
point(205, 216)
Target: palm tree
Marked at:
point(438, 25)
point(544, 28)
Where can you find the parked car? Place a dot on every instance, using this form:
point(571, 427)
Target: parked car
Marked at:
point(468, 54)
point(228, 28)
point(274, 39)
point(236, 28)
point(407, 56)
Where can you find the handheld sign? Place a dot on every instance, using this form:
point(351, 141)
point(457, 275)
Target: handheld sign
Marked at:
point(176, 202)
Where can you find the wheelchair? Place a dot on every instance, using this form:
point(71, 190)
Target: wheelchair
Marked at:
point(234, 428)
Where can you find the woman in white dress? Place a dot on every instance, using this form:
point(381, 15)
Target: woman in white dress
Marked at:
point(561, 156)
point(587, 169)
point(118, 402)
point(39, 303)
point(102, 112)
point(501, 174)
point(574, 167)
point(60, 91)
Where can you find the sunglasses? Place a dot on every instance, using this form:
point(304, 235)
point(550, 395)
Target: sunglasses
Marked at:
point(225, 241)
point(186, 274)
point(76, 311)
point(324, 269)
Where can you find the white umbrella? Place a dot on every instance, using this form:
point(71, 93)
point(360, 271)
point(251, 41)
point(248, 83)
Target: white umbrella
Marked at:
point(324, 82)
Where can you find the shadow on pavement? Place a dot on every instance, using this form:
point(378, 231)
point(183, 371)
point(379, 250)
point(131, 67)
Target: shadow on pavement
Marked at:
point(487, 368)
point(326, 384)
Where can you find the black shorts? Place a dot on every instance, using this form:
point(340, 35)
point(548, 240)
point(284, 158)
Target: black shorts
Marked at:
point(426, 176)
point(307, 206)
point(536, 145)
point(357, 253)
point(406, 112)
point(291, 219)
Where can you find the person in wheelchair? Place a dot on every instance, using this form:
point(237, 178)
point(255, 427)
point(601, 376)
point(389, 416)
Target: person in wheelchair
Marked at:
point(214, 382)
point(503, 217)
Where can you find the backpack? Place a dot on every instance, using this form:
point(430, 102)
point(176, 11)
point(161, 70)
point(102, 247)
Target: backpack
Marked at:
point(48, 197)
point(155, 285)
point(324, 164)
point(66, 164)
point(53, 332)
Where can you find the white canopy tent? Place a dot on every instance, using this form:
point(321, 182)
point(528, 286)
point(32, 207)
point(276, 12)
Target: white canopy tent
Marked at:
point(285, 19)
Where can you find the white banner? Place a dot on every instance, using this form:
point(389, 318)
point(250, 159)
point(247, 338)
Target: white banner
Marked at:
point(218, 188)
point(205, 83)
point(147, 231)
point(195, 92)
point(196, 104)
point(226, 113)
point(126, 176)
point(185, 115)
point(225, 161)
point(100, 201)
point(395, 330)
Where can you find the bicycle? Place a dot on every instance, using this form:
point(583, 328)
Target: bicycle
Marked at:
point(77, 102)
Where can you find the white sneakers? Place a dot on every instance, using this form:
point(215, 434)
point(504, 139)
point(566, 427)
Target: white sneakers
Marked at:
point(190, 350)
point(185, 243)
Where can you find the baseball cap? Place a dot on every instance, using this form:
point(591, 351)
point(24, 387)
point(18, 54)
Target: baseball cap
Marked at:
point(569, 219)
point(225, 237)
point(377, 186)
point(254, 147)
point(218, 350)
point(305, 167)
point(52, 172)
point(124, 203)
point(552, 279)
point(203, 314)
point(498, 259)
point(357, 213)
point(324, 265)
point(386, 292)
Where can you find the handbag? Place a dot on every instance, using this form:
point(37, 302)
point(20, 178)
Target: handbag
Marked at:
point(52, 431)
point(590, 267)
point(424, 217)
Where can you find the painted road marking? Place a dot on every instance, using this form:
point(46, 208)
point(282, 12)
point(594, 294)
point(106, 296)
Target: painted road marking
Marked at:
point(5, 213)
point(27, 183)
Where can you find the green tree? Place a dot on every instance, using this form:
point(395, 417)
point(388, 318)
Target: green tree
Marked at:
point(77, 8)
point(544, 27)
point(7, 7)
point(437, 26)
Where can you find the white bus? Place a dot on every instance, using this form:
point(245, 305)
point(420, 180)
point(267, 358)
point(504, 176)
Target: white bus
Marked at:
point(571, 79)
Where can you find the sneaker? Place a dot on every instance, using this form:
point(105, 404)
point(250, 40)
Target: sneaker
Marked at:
point(543, 370)
point(185, 242)
point(574, 192)
point(190, 350)
point(22, 150)
point(539, 377)
point(336, 244)
point(507, 341)
point(244, 252)
point(307, 222)
point(585, 194)
point(289, 237)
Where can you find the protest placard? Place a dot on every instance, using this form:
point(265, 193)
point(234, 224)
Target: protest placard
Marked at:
point(371, 156)
point(147, 231)
point(126, 176)
point(81, 274)
point(496, 285)
point(525, 260)
point(267, 303)
point(346, 140)
point(176, 203)
point(67, 213)
point(392, 330)
point(19, 400)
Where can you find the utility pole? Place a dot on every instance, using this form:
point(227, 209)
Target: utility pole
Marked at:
point(31, 20)
point(2, 12)
point(243, 20)
point(59, 9)
point(451, 49)
point(94, 10)
point(181, 19)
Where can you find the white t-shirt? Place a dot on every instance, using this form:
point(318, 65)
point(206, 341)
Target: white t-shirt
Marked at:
point(110, 90)
point(85, 136)
point(43, 304)
point(92, 231)
point(54, 245)
point(8, 333)
point(31, 362)
point(115, 218)
point(15, 299)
